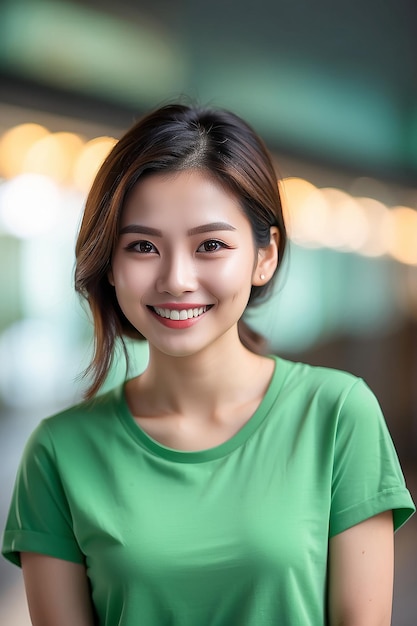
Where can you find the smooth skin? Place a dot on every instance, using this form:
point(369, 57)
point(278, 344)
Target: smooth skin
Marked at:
point(185, 241)
point(57, 591)
point(361, 572)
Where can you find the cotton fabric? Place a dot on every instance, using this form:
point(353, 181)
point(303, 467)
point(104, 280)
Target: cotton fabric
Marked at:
point(235, 534)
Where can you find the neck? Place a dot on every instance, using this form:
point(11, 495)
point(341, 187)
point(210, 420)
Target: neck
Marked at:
point(206, 379)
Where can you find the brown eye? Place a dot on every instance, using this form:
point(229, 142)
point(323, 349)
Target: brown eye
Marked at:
point(211, 245)
point(145, 247)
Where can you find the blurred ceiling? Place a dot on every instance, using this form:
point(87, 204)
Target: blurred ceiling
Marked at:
point(331, 82)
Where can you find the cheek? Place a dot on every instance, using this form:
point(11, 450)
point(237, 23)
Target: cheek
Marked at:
point(232, 282)
point(127, 293)
point(126, 276)
point(239, 272)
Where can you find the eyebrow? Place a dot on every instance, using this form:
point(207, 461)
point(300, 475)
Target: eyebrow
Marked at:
point(155, 232)
point(142, 230)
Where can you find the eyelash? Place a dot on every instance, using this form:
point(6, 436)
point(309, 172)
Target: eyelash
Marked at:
point(135, 246)
point(219, 244)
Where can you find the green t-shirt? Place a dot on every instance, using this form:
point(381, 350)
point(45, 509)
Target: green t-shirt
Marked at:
point(235, 535)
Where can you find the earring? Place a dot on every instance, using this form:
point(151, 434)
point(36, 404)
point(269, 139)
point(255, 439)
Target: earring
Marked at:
point(262, 276)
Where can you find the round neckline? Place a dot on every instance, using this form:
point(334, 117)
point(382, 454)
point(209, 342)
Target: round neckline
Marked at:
point(206, 454)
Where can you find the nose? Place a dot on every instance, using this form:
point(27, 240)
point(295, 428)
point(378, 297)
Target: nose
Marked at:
point(177, 274)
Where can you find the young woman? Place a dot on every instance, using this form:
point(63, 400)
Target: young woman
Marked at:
point(221, 487)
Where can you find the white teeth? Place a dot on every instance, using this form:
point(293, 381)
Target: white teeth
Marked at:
point(174, 314)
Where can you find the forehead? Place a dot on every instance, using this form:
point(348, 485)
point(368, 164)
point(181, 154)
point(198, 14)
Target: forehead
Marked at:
point(181, 196)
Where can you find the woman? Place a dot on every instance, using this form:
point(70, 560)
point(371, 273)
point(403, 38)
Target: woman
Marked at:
point(221, 487)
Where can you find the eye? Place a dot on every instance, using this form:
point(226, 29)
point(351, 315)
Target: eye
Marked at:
point(211, 245)
point(143, 247)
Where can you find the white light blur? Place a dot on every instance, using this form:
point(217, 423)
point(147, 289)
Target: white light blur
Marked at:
point(376, 244)
point(294, 196)
point(305, 211)
point(29, 205)
point(332, 218)
point(313, 227)
point(347, 226)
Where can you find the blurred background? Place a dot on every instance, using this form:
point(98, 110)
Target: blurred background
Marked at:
point(332, 88)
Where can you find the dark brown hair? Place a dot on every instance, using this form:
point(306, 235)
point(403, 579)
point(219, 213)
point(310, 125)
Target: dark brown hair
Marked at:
point(172, 138)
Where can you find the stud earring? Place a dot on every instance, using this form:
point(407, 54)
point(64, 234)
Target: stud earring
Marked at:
point(262, 276)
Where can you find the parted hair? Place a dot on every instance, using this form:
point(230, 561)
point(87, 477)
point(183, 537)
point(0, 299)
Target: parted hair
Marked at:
point(171, 138)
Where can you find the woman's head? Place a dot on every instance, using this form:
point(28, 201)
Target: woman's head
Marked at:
point(171, 139)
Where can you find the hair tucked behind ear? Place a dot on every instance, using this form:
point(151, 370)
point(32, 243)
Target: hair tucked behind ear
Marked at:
point(172, 138)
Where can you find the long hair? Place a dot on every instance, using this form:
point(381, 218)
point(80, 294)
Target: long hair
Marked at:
point(172, 138)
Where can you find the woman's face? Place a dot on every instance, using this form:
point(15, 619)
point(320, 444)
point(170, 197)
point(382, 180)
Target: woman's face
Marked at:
point(184, 263)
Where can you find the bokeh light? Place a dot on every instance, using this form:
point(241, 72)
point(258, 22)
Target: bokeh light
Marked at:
point(89, 161)
point(375, 244)
point(347, 226)
point(304, 210)
point(400, 227)
point(29, 205)
point(54, 156)
point(15, 145)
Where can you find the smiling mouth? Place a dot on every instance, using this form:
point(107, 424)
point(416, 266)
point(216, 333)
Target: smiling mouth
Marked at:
point(183, 314)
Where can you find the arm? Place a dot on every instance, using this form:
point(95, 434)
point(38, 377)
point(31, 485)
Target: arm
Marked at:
point(57, 591)
point(361, 564)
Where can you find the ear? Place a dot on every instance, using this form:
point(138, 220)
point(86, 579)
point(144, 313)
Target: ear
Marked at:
point(267, 260)
point(110, 277)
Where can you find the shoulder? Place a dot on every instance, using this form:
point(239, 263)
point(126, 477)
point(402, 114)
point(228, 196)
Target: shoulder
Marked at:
point(316, 381)
point(333, 399)
point(78, 422)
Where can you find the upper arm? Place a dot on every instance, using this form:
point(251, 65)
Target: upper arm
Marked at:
point(361, 564)
point(57, 591)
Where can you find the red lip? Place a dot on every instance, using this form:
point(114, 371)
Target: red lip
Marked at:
point(176, 324)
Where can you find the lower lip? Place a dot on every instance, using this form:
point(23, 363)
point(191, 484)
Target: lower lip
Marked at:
point(177, 324)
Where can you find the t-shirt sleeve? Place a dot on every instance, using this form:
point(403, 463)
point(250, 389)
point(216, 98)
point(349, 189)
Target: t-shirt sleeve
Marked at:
point(367, 477)
point(39, 518)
